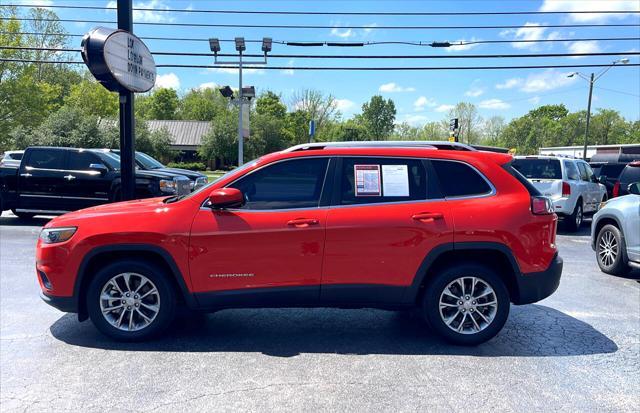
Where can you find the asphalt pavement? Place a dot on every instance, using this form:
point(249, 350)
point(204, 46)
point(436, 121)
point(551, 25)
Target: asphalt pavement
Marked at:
point(578, 350)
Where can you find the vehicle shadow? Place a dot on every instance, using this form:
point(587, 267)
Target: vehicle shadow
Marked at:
point(583, 231)
point(14, 221)
point(532, 331)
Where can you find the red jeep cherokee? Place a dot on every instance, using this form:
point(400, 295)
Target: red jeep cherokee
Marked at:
point(453, 231)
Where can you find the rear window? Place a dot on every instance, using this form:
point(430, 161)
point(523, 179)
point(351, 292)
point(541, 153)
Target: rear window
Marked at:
point(536, 168)
point(611, 170)
point(630, 174)
point(459, 179)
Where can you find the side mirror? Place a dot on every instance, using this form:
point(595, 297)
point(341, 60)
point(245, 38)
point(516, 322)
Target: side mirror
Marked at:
point(99, 168)
point(602, 179)
point(634, 188)
point(226, 198)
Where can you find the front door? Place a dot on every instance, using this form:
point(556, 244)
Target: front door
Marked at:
point(269, 252)
point(39, 179)
point(386, 217)
point(83, 186)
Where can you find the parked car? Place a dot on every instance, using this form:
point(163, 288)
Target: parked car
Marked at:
point(629, 175)
point(149, 163)
point(56, 180)
point(570, 183)
point(607, 174)
point(615, 233)
point(11, 159)
point(346, 225)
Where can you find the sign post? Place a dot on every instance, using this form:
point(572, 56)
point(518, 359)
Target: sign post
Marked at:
point(312, 130)
point(453, 130)
point(122, 63)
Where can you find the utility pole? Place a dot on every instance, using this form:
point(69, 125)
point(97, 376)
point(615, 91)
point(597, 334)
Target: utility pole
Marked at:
point(586, 129)
point(127, 121)
point(240, 107)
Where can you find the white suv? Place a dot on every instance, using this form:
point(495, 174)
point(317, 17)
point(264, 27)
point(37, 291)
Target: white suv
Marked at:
point(570, 183)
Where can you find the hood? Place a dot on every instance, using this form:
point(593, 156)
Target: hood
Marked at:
point(177, 171)
point(155, 173)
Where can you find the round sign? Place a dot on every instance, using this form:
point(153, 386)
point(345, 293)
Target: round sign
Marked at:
point(119, 60)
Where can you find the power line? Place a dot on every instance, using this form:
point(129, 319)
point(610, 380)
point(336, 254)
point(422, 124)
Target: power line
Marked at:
point(285, 26)
point(617, 91)
point(345, 68)
point(367, 43)
point(331, 13)
point(300, 56)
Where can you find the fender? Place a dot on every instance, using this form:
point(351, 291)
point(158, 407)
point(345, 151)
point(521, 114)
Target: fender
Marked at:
point(413, 290)
point(175, 271)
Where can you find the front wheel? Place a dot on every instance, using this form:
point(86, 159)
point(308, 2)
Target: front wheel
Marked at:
point(466, 304)
point(131, 300)
point(611, 251)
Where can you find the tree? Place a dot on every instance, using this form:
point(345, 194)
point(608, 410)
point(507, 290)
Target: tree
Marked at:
point(93, 99)
point(162, 104)
point(270, 104)
point(46, 33)
point(155, 143)
point(379, 116)
point(317, 106)
point(607, 126)
point(434, 131)
point(221, 141)
point(405, 132)
point(202, 104)
point(492, 129)
point(469, 120)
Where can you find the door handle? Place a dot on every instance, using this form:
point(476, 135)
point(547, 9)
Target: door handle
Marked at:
point(26, 175)
point(69, 177)
point(302, 222)
point(427, 216)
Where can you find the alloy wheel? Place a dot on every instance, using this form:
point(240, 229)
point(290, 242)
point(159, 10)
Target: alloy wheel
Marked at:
point(129, 301)
point(607, 249)
point(579, 217)
point(468, 305)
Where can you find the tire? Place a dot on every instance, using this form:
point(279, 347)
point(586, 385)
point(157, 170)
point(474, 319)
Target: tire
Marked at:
point(23, 215)
point(611, 251)
point(574, 221)
point(158, 307)
point(486, 320)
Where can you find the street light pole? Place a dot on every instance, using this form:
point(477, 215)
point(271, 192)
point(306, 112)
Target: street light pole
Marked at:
point(240, 106)
point(586, 129)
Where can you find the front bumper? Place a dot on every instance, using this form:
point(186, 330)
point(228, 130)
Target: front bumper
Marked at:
point(535, 286)
point(66, 304)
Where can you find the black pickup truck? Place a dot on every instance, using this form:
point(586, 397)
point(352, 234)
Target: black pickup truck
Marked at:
point(57, 180)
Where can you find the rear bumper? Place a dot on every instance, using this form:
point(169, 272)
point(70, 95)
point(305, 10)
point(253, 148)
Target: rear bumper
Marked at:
point(536, 286)
point(66, 304)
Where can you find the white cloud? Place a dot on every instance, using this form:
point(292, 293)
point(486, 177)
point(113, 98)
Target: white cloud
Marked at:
point(168, 81)
point(444, 108)
point(593, 5)
point(232, 71)
point(547, 80)
point(462, 47)
point(415, 120)
point(509, 83)
point(474, 92)
point(208, 85)
point(395, 88)
point(289, 72)
point(342, 33)
point(344, 105)
point(534, 100)
point(148, 15)
point(584, 47)
point(422, 102)
point(494, 104)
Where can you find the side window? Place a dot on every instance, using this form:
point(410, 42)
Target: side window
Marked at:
point(80, 161)
point(375, 180)
point(46, 159)
point(289, 184)
point(583, 171)
point(589, 172)
point(459, 179)
point(572, 171)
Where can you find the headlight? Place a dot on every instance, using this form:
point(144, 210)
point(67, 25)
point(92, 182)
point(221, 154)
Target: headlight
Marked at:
point(167, 185)
point(201, 181)
point(55, 235)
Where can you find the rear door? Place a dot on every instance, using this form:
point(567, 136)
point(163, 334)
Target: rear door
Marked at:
point(386, 216)
point(40, 178)
point(590, 190)
point(84, 186)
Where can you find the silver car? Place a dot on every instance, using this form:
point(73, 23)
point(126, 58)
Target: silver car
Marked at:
point(615, 233)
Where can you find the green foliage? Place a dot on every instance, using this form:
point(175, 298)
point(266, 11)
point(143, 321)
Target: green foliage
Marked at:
point(269, 104)
point(155, 143)
point(202, 104)
point(221, 141)
point(93, 98)
point(379, 116)
point(194, 166)
point(162, 104)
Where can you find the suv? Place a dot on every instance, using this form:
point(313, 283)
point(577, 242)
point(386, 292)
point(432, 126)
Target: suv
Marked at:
point(455, 232)
point(570, 183)
point(630, 174)
point(11, 158)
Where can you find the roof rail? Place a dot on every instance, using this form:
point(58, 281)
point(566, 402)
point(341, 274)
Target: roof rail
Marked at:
point(443, 145)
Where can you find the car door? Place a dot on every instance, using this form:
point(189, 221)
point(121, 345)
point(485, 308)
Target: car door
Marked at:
point(39, 179)
point(83, 184)
point(386, 216)
point(268, 252)
point(590, 188)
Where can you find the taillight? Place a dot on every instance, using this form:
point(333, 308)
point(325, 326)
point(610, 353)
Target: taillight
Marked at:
point(541, 205)
point(616, 189)
point(566, 189)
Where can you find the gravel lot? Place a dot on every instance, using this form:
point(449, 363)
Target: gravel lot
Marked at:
point(577, 350)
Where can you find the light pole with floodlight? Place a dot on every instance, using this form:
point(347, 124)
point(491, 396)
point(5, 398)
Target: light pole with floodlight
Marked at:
point(592, 79)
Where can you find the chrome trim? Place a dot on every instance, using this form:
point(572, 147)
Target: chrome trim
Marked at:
point(382, 144)
point(42, 211)
point(64, 197)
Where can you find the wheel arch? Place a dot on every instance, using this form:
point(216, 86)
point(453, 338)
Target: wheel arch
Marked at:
point(141, 252)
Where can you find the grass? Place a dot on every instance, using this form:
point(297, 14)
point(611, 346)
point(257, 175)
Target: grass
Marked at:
point(213, 175)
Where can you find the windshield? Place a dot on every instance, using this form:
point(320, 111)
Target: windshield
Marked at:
point(109, 158)
point(538, 168)
point(147, 161)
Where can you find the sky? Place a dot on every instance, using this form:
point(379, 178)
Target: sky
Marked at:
point(420, 96)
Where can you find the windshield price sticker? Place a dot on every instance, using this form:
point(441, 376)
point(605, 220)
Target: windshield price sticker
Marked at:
point(367, 178)
point(395, 180)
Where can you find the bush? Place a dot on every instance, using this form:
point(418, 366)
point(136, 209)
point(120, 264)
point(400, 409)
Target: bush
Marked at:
point(194, 166)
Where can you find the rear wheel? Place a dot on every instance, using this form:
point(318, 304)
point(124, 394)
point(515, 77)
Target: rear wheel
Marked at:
point(611, 251)
point(23, 215)
point(574, 221)
point(131, 300)
point(467, 304)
